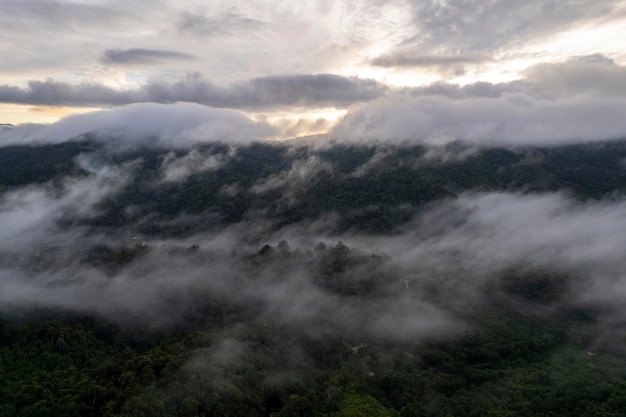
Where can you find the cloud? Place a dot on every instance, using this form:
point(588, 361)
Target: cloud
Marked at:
point(281, 289)
point(33, 215)
point(438, 268)
point(449, 63)
point(142, 56)
point(587, 75)
point(258, 93)
point(177, 168)
point(60, 14)
point(65, 39)
point(410, 59)
point(486, 26)
point(272, 92)
point(457, 249)
point(508, 120)
point(293, 183)
point(223, 24)
point(590, 75)
point(453, 36)
point(175, 125)
point(303, 90)
point(55, 93)
point(573, 101)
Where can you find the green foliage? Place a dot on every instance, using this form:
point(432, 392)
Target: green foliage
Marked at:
point(361, 405)
point(512, 365)
point(374, 189)
point(112, 259)
point(25, 164)
point(227, 361)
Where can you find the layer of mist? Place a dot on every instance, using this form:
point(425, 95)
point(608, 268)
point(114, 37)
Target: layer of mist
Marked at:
point(406, 269)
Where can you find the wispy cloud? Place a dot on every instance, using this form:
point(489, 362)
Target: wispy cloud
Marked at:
point(222, 24)
point(404, 59)
point(487, 26)
point(453, 37)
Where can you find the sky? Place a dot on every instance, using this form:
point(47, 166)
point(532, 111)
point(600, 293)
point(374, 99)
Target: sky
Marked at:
point(432, 70)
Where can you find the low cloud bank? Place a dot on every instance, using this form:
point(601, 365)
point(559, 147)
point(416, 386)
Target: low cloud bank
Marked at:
point(172, 125)
point(575, 101)
point(579, 100)
point(507, 120)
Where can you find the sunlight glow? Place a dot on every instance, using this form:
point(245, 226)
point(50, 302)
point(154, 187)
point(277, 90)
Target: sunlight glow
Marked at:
point(20, 114)
point(305, 123)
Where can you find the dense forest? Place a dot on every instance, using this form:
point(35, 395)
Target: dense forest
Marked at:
point(294, 279)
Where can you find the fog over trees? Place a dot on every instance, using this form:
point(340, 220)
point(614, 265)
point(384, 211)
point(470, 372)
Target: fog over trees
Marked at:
point(312, 209)
point(141, 276)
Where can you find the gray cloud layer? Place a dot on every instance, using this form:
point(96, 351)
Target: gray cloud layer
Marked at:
point(142, 56)
point(578, 100)
point(267, 92)
point(56, 93)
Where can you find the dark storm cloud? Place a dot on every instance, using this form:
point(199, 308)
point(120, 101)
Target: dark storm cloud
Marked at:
point(142, 56)
point(266, 92)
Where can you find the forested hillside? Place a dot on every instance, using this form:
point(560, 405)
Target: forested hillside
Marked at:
point(293, 279)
